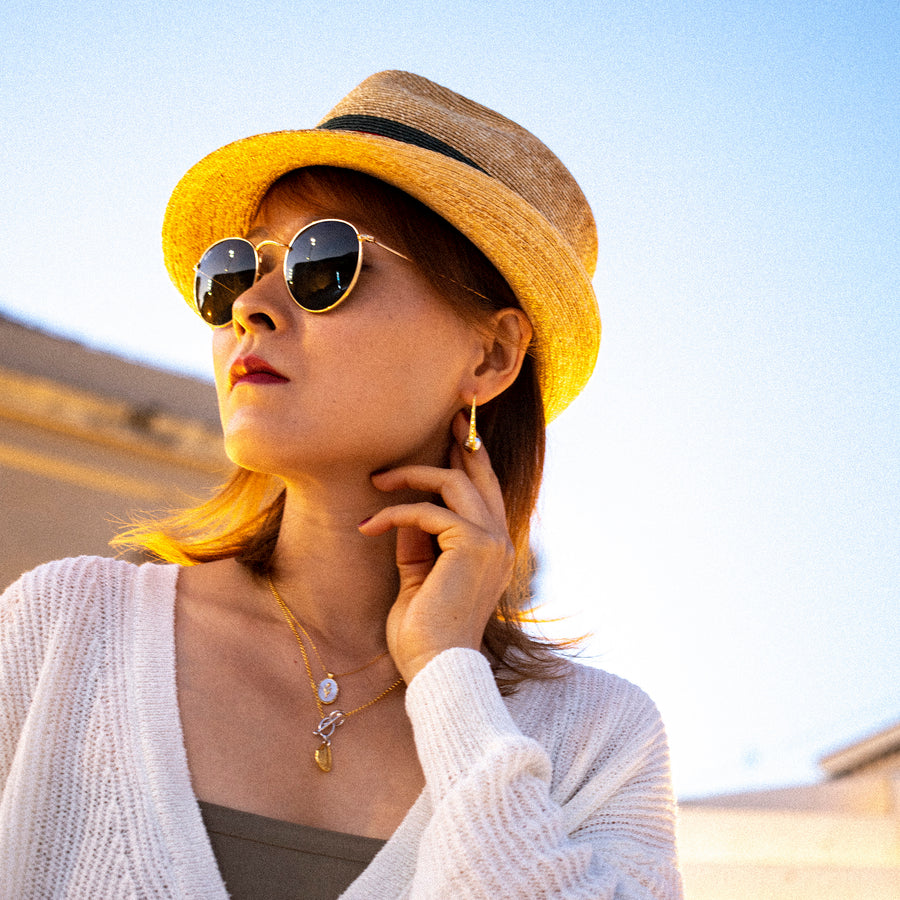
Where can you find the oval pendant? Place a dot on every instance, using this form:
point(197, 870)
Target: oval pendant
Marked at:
point(323, 757)
point(328, 690)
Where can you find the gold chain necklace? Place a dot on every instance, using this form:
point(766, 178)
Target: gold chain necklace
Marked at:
point(330, 721)
point(328, 689)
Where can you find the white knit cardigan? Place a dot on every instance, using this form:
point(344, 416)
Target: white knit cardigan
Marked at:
point(561, 790)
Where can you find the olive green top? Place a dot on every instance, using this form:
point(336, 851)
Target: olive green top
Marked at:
point(267, 859)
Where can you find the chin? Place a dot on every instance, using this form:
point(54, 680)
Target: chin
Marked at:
point(252, 451)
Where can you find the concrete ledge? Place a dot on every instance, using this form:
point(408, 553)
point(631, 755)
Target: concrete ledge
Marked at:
point(48, 404)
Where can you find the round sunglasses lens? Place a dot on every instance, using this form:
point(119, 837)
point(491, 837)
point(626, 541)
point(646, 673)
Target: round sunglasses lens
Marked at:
point(321, 265)
point(225, 271)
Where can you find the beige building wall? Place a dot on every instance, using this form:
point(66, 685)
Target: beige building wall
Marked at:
point(87, 440)
point(837, 840)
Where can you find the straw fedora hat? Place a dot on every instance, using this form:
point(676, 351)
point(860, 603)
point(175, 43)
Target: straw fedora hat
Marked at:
point(491, 179)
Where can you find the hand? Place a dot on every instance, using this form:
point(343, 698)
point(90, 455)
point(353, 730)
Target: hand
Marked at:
point(445, 600)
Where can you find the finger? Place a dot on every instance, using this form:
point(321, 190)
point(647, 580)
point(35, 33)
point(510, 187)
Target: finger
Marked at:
point(454, 486)
point(454, 534)
point(415, 551)
point(426, 517)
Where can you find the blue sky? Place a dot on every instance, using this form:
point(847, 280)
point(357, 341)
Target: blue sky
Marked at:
point(722, 506)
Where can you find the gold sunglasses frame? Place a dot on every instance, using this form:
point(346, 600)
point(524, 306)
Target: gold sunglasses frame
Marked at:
point(362, 238)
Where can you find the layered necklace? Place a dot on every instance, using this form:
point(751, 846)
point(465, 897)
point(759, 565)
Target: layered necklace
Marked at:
point(326, 691)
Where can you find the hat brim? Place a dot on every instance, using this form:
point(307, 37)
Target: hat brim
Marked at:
point(220, 195)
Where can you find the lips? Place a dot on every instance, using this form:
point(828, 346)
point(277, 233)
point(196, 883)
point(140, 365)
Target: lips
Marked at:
point(253, 370)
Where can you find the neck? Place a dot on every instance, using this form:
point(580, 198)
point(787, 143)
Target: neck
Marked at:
point(339, 583)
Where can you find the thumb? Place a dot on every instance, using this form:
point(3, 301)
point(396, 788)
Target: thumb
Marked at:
point(415, 553)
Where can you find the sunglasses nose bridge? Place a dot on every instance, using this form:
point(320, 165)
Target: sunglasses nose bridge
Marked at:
point(268, 261)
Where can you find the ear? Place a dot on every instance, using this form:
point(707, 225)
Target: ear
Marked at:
point(506, 340)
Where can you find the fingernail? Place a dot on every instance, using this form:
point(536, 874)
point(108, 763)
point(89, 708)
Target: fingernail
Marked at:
point(366, 519)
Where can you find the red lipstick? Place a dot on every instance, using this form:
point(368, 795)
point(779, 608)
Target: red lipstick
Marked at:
point(253, 370)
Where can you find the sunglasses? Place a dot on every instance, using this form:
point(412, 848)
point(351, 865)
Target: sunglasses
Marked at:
point(321, 268)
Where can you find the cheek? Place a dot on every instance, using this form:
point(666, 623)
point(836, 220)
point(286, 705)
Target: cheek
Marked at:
point(221, 356)
point(404, 362)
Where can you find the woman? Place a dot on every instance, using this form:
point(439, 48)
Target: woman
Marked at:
point(330, 688)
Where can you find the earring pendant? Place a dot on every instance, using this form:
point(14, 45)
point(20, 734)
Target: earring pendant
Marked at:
point(472, 442)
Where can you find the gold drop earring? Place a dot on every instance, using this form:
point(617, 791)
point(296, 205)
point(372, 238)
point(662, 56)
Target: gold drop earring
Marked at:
point(472, 442)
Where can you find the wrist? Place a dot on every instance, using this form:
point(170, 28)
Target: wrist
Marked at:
point(411, 667)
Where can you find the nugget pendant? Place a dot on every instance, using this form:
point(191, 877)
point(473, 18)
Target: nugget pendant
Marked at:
point(324, 730)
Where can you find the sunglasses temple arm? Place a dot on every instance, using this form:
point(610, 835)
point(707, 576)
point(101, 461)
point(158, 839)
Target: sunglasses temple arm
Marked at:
point(367, 238)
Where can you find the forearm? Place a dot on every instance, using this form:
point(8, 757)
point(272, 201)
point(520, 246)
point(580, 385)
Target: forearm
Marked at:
point(497, 830)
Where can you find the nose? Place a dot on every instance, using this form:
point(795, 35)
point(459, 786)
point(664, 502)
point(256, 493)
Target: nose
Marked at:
point(267, 304)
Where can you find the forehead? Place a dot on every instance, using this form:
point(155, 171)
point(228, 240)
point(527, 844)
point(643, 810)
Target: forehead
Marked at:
point(281, 215)
point(322, 192)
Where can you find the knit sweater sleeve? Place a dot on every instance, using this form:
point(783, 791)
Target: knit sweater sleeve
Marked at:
point(586, 811)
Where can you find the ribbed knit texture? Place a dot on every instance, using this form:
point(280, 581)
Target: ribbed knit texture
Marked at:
point(559, 791)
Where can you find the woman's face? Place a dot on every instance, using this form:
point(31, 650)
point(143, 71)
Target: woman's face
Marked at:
point(372, 383)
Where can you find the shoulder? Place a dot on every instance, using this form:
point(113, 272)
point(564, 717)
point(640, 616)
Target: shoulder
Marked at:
point(589, 690)
point(77, 589)
point(589, 714)
point(74, 614)
point(78, 578)
point(74, 570)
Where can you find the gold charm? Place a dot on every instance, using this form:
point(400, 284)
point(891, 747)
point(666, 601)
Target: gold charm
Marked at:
point(324, 731)
point(323, 756)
